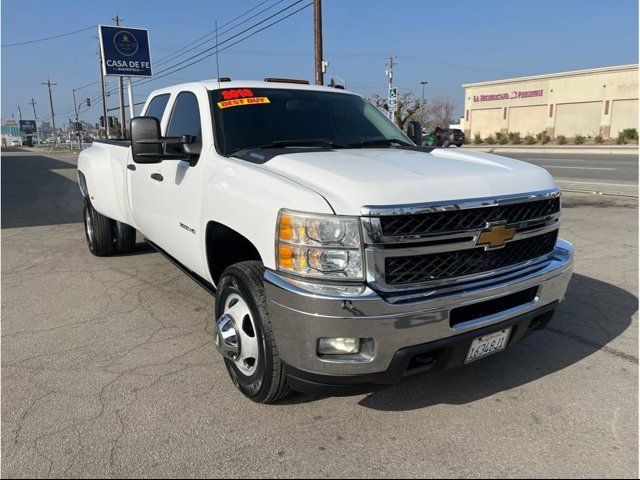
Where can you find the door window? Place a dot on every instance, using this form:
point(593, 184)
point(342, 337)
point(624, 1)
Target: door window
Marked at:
point(157, 105)
point(185, 117)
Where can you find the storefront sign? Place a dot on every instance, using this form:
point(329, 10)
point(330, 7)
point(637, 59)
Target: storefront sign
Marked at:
point(515, 94)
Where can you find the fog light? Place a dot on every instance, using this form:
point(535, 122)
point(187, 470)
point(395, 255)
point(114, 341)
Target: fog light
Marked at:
point(338, 346)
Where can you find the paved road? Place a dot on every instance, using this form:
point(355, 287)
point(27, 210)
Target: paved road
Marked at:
point(109, 369)
point(606, 173)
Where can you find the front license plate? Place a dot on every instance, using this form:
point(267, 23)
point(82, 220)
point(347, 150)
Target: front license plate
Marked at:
point(488, 345)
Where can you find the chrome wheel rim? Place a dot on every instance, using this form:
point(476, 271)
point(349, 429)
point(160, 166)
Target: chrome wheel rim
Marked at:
point(249, 352)
point(88, 227)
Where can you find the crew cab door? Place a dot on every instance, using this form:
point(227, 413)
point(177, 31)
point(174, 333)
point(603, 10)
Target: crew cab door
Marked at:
point(144, 193)
point(171, 190)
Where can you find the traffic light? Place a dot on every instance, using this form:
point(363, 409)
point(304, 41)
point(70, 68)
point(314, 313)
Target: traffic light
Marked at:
point(102, 121)
point(88, 102)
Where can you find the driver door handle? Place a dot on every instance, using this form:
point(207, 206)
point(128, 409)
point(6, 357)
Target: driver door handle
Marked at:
point(131, 166)
point(157, 176)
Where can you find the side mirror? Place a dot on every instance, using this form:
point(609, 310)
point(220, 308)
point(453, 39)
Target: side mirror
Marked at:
point(147, 144)
point(414, 132)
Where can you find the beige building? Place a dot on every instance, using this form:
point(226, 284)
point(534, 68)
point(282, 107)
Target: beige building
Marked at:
point(586, 102)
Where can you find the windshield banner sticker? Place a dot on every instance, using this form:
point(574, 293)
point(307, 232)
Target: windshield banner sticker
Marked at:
point(242, 101)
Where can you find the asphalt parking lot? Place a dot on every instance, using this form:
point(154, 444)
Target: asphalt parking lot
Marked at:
point(109, 368)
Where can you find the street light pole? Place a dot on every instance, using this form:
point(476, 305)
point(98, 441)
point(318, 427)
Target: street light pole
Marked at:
point(424, 84)
point(104, 96)
point(123, 119)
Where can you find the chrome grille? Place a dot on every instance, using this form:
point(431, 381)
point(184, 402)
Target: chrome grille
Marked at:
point(434, 245)
point(440, 222)
point(459, 263)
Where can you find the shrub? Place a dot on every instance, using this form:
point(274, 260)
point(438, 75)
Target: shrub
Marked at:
point(477, 139)
point(543, 137)
point(499, 136)
point(515, 138)
point(630, 133)
point(503, 140)
point(490, 140)
point(598, 139)
point(579, 140)
point(621, 140)
point(529, 140)
point(561, 139)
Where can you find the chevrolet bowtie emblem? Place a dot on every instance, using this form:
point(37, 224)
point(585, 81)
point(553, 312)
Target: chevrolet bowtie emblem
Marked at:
point(495, 236)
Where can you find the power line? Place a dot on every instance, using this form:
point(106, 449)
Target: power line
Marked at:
point(49, 38)
point(183, 50)
point(228, 46)
point(230, 38)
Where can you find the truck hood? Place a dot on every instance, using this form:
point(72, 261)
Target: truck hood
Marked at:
point(351, 179)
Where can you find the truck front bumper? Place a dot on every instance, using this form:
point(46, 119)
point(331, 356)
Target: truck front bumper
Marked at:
point(399, 339)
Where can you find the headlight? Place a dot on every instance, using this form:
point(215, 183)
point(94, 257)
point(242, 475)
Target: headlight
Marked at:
point(323, 246)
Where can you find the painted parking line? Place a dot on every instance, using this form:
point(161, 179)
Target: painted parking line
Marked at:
point(568, 159)
point(578, 168)
point(595, 182)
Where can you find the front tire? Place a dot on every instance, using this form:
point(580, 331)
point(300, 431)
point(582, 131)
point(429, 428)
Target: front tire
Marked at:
point(97, 229)
point(255, 369)
point(125, 237)
point(446, 143)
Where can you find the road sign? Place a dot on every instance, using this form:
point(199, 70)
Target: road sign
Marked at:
point(28, 127)
point(125, 51)
point(393, 99)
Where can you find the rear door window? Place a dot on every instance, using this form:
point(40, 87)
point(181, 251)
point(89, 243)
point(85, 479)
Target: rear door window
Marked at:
point(157, 106)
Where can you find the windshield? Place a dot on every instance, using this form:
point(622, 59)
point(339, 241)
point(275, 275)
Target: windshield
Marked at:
point(279, 118)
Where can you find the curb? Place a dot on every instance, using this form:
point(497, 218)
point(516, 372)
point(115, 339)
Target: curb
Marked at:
point(595, 150)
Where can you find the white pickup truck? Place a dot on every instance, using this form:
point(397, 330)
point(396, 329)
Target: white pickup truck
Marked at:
point(342, 256)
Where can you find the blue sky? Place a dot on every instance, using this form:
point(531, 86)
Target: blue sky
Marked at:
point(444, 43)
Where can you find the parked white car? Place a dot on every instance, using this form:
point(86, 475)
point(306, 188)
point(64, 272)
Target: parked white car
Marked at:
point(342, 256)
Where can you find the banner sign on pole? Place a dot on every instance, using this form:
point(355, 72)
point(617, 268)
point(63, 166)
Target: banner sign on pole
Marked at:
point(125, 51)
point(393, 99)
point(28, 127)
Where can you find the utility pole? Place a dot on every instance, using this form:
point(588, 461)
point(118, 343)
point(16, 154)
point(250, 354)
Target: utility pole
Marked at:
point(389, 73)
point(53, 115)
point(123, 120)
point(317, 41)
point(20, 112)
point(32, 102)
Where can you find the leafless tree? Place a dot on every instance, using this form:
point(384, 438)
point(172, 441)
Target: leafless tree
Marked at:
point(435, 112)
point(406, 110)
point(441, 111)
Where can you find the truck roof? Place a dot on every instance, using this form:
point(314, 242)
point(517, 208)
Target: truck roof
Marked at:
point(213, 84)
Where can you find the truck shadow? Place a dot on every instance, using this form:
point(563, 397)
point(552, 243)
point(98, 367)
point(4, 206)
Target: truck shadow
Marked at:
point(38, 190)
point(593, 314)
